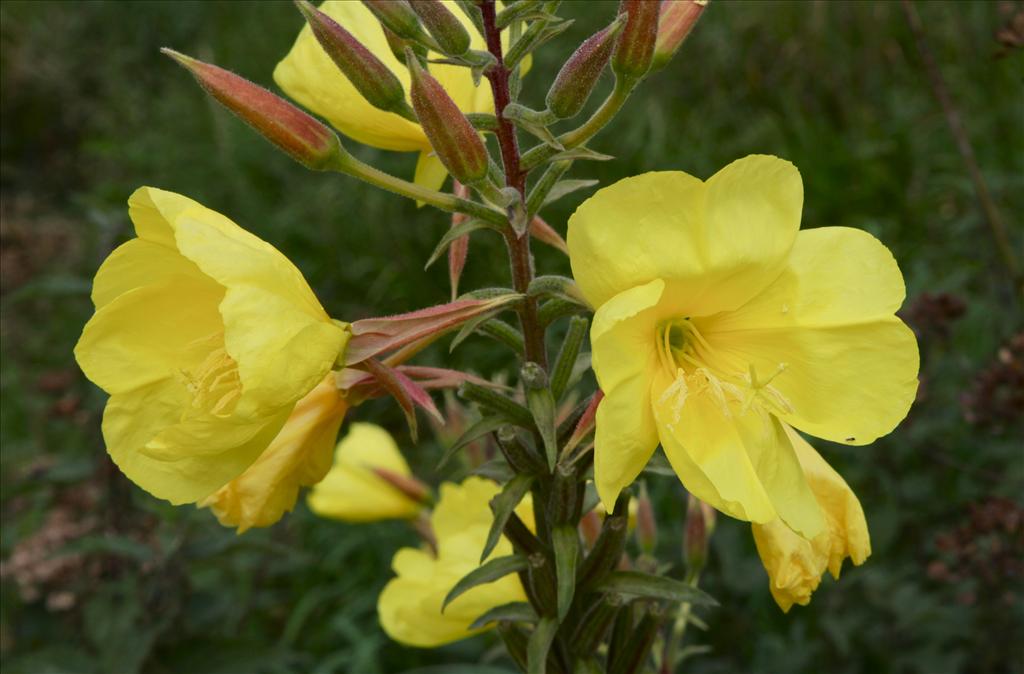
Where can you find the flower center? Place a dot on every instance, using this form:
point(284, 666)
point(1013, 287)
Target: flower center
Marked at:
point(214, 383)
point(696, 368)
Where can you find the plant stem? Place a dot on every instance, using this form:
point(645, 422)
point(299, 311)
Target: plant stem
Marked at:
point(446, 202)
point(515, 176)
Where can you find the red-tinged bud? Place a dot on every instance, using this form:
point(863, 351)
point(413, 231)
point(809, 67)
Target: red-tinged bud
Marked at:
point(444, 26)
point(635, 49)
point(590, 527)
point(397, 16)
point(646, 526)
point(585, 426)
point(368, 74)
point(700, 523)
point(675, 22)
point(302, 137)
point(456, 142)
point(408, 485)
point(578, 77)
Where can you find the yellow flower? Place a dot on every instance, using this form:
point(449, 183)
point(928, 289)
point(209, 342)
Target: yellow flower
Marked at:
point(410, 605)
point(795, 565)
point(205, 337)
point(351, 491)
point(299, 456)
point(718, 321)
point(309, 76)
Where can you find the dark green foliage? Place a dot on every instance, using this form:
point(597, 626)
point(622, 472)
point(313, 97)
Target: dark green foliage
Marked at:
point(112, 580)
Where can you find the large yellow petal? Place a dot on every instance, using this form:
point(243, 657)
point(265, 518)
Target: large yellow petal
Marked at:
point(624, 360)
point(351, 491)
point(848, 383)
point(707, 452)
point(179, 461)
point(299, 456)
point(716, 244)
point(834, 276)
point(137, 263)
point(147, 334)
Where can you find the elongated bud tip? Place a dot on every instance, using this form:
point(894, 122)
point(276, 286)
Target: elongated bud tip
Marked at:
point(301, 136)
point(579, 75)
point(635, 48)
point(646, 526)
point(700, 522)
point(408, 485)
point(368, 74)
point(456, 142)
point(443, 26)
point(676, 21)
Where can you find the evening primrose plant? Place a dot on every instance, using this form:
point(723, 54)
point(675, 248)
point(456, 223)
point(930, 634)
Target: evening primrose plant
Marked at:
point(718, 330)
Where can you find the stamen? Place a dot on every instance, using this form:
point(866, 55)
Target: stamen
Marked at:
point(678, 390)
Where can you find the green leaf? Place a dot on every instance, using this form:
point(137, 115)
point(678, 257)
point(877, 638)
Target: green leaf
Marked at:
point(479, 429)
point(561, 374)
point(516, 611)
point(566, 543)
point(565, 187)
point(453, 233)
point(580, 152)
point(502, 506)
point(639, 584)
point(486, 573)
point(539, 645)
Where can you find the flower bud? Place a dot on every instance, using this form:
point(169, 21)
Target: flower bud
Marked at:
point(304, 138)
point(374, 80)
point(635, 47)
point(397, 16)
point(453, 138)
point(675, 22)
point(577, 78)
point(646, 526)
point(444, 26)
point(700, 522)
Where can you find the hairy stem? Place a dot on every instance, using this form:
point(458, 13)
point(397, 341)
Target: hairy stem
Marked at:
point(515, 176)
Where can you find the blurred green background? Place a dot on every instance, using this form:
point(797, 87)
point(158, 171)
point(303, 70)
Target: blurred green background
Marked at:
point(98, 577)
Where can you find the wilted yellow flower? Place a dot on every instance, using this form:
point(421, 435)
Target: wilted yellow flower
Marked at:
point(299, 456)
point(410, 605)
point(309, 76)
point(205, 337)
point(352, 491)
point(795, 565)
point(718, 322)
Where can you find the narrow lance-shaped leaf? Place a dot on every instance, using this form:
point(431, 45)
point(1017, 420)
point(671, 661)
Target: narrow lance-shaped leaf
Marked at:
point(497, 403)
point(648, 586)
point(516, 611)
point(489, 572)
point(478, 430)
point(566, 543)
point(502, 505)
point(542, 407)
point(540, 645)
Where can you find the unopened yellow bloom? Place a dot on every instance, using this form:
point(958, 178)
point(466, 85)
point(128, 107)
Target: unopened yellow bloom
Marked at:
point(794, 564)
point(310, 77)
point(718, 322)
point(205, 337)
point(352, 491)
point(410, 605)
point(299, 456)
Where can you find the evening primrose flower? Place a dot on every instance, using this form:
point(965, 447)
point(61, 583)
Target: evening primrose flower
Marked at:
point(794, 564)
point(299, 456)
point(718, 322)
point(205, 337)
point(410, 605)
point(353, 490)
point(309, 76)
